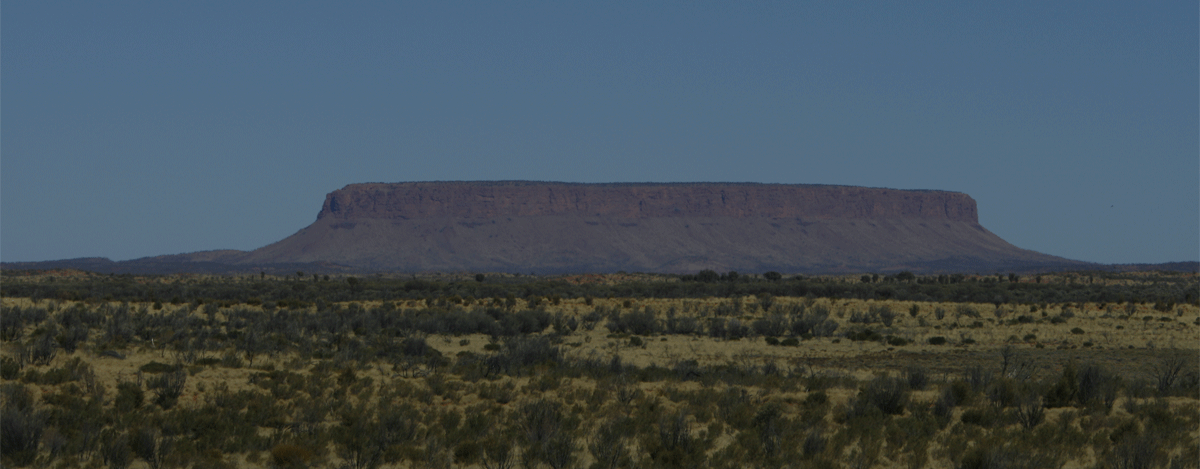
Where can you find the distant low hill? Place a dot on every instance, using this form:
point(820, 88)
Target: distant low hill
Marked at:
point(549, 228)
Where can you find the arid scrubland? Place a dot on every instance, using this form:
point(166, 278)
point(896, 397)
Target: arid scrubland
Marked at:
point(478, 372)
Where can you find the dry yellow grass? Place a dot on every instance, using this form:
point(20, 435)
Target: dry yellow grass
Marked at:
point(1107, 330)
point(1113, 336)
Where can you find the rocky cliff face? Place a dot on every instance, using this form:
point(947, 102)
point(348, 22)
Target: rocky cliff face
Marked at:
point(546, 227)
point(423, 200)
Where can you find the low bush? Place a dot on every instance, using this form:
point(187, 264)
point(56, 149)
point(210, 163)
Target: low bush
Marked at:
point(1030, 411)
point(156, 367)
point(129, 397)
point(9, 368)
point(167, 387)
point(635, 322)
point(916, 377)
point(889, 395)
point(208, 361)
point(290, 456)
point(1097, 388)
point(897, 341)
point(773, 325)
point(1092, 387)
point(114, 449)
point(986, 416)
point(816, 398)
point(20, 432)
point(866, 335)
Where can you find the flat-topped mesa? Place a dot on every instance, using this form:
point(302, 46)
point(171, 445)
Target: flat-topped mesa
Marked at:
point(425, 200)
point(554, 227)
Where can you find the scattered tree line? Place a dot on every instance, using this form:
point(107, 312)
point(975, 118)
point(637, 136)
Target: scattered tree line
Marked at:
point(1164, 290)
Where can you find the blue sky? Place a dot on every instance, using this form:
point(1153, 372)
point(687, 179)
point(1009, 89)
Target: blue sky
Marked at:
point(132, 129)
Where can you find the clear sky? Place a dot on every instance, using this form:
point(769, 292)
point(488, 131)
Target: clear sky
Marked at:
point(132, 129)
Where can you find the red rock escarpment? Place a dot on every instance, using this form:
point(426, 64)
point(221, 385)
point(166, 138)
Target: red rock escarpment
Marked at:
point(529, 199)
point(547, 227)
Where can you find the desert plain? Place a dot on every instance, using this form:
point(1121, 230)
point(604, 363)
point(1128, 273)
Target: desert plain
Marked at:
point(293, 371)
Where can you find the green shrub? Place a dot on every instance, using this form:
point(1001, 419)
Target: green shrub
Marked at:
point(167, 387)
point(608, 445)
point(114, 449)
point(9, 368)
point(968, 311)
point(962, 392)
point(20, 432)
point(1097, 387)
point(986, 416)
point(347, 377)
point(290, 456)
point(1064, 392)
point(232, 360)
point(674, 444)
point(129, 397)
point(814, 444)
point(156, 367)
point(16, 397)
point(772, 341)
point(916, 377)
point(994, 455)
point(208, 361)
point(889, 395)
point(943, 407)
point(1030, 411)
point(56, 376)
point(1142, 451)
point(467, 453)
point(502, 394)
point(1003, 392)
point(31, 376)
point(864, 335)
point(939, 340)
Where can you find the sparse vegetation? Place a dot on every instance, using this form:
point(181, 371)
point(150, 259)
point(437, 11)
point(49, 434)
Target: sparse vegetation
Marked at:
point(484, 372)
